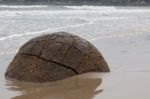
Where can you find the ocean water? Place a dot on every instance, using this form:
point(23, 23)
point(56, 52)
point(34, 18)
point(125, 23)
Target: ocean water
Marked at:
point(122, 34)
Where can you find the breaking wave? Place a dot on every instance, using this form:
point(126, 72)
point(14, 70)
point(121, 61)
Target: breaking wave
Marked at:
point(22, 6)
point(91, 7)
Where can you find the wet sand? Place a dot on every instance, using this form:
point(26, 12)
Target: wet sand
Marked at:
point(129, 77)
point(115, 85)
point(79, 87)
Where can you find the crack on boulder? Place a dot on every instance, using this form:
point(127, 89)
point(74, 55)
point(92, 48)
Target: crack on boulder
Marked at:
point(50, 61)
point(66, 53)
point(71, 44)
point(81, 61)
point(43, 46)
point(58, 50)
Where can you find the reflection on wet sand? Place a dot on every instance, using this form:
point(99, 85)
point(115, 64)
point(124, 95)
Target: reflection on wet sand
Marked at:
point(78, 87)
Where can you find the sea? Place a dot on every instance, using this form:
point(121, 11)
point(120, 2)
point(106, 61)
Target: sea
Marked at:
point(121, 34)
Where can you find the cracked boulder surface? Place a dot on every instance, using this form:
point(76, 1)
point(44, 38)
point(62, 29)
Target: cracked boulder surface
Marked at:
point(54, 57)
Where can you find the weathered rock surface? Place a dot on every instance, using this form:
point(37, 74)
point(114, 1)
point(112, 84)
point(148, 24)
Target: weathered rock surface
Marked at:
point(54, 57)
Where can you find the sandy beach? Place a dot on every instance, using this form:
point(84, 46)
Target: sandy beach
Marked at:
point(121, 82)
point(120, 34)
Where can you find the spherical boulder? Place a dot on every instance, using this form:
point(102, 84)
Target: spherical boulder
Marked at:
point(54, 57)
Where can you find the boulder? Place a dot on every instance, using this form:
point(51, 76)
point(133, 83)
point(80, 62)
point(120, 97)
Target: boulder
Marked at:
point(54, 57)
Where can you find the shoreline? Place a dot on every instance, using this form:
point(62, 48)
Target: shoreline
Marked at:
point(122, 36)
point(122, 83)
